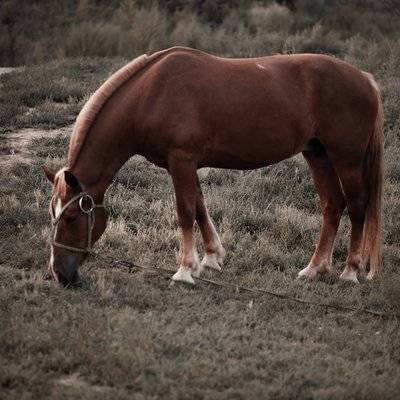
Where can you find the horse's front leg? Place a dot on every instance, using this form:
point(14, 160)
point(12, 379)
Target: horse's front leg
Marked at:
point(184, 177)
point(214, 252)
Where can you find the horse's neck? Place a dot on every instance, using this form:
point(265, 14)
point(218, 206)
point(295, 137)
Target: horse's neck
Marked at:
point(99, 159)
point(109, 141)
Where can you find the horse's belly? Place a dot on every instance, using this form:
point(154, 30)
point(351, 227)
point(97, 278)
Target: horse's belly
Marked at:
point(219, 159)
point(251, 151)
point(243, 160)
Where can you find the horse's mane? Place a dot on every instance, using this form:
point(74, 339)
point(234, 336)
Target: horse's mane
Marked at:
point(97, 101)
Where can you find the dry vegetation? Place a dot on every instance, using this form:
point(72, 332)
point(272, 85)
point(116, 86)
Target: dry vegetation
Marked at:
point(121, 335)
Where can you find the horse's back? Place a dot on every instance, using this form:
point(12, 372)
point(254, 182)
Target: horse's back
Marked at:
point(286, 80)
point(254, 111)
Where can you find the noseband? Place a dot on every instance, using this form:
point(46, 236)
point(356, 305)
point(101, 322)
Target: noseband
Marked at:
point(91, 215)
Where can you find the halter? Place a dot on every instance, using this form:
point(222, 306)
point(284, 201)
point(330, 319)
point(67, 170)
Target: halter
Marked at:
point(90, 212)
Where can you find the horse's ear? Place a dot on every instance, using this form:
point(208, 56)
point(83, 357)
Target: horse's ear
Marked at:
point(49, 175)
point(71, 180)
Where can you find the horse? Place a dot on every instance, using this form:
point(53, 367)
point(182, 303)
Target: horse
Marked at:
point(183, 109)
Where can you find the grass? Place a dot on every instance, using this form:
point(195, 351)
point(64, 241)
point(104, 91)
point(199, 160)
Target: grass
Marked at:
point(124, 336)
point(51, 95)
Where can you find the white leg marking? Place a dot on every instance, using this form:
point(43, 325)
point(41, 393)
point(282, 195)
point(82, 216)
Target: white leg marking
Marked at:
point(210, 261)
point(349, 274)
point(196, 267)
point(215, 259)
point(370, 276)
point(312, 270)
point(308, 272)
point(184, 273)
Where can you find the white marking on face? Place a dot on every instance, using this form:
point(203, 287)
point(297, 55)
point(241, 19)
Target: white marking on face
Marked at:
point(57, 212)
point(51, 257)
point(51, 264)
point(58, 208)
point(260, 66)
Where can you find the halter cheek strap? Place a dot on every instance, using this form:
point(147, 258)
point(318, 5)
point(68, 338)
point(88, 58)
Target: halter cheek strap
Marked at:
point(91, 217)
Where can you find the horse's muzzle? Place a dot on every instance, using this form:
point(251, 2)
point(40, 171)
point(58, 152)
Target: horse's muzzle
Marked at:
point(67, 279)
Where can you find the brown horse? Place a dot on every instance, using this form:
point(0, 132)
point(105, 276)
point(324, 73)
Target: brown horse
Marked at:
point(184, 109)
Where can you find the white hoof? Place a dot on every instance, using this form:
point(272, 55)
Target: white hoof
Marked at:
point(183, 275)
point(370, 275)
point(197, 270)
point(221, 253)
point(210, 261)
point(349, 275)
point(308, 272)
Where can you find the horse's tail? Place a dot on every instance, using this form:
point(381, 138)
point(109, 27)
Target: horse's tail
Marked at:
point(373, 175)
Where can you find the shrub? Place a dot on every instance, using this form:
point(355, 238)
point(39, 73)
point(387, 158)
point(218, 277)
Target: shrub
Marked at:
point(92, 39)
point(311, 8)
point(189, 31)
point(235, 20)
point(273, 18)
point(50, 95)
point(147, 33)
point(314, 40)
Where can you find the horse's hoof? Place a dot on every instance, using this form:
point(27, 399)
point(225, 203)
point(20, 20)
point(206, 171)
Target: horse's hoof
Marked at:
point(370, 276)
point(349, 275)
point(183, 275)
point(197, 270)
point(308, 272)
point(210, 261)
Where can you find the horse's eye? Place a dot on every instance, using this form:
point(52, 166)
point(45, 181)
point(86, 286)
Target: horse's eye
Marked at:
point(69, 220)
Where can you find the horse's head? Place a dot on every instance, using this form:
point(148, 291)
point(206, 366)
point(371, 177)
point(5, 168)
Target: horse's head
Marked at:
point(78, 220)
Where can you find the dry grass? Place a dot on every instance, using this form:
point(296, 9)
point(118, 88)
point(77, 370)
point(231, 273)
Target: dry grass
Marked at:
point(125, 336)
point(51, 95)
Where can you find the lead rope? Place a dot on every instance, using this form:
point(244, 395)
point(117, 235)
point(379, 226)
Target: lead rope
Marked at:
point(238, 288)
point(91, 217)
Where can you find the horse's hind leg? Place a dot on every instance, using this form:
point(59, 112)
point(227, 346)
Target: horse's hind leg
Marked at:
point(332, 205)
point(184, 178)
point(214, 252)
point(355, 193)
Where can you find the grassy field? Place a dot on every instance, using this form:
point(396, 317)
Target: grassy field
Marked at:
point(121, 335)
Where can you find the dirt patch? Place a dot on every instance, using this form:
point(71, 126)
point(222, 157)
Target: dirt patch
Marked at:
point(75, 381)
point(6, 70)
point(15, 146)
